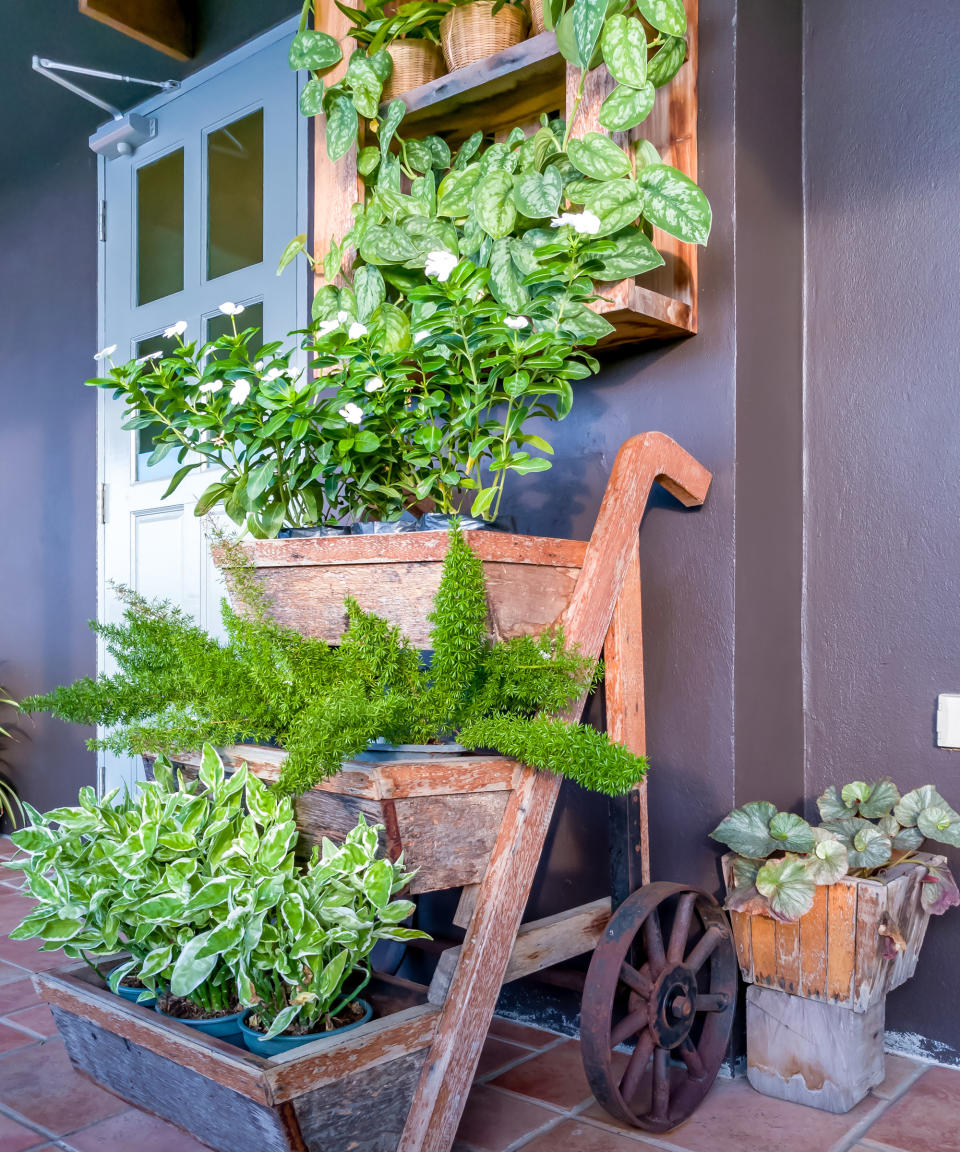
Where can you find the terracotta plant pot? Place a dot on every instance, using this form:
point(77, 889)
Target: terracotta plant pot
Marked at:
point(471, 32)
point(415, 62)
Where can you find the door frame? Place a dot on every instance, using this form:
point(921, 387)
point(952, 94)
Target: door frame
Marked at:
point(285, 30)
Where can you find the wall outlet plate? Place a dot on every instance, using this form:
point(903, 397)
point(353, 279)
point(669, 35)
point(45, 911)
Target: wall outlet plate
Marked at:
point(948, 720)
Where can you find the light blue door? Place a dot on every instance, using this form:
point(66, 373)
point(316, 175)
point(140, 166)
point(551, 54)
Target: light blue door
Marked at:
point(194, 218)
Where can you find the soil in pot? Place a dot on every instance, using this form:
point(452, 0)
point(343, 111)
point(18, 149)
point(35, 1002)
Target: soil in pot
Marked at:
point(352, 1016)
point(224, 1024)
point(130, 989)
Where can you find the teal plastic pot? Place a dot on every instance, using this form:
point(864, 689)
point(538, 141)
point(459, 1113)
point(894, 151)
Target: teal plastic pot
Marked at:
point(223, 1027)
point(256, 1043)
point(133, 994)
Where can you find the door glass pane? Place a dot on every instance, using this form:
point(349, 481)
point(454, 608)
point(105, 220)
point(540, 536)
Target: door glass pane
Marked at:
point(235, 196)
point(146, 437)
point(250, 317)
point(160, 228)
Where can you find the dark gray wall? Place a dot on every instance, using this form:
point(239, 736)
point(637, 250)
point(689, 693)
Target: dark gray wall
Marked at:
point(882, 619)
point(48, 332)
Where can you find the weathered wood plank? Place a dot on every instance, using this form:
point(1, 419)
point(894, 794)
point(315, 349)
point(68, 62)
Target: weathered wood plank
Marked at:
point(363, 1112)
point(539, 944)
point(466, 905)
point(870, 971)
point(764, 939)
point(166, 25)
point(742, 926)
point(841, 940)
point(787, 956)
point(813, 948)
point(169, 1087)
point(448, 839)
point(445, 1082)
point(821, 1055)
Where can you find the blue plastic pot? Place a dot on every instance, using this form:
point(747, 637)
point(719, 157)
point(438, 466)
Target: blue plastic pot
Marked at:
point(223, 1027)
point(261, 1047)
point(133, 994)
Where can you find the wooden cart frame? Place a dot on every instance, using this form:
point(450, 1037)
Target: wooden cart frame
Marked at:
point(400, 1082)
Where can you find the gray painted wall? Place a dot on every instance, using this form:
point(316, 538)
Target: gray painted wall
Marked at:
point(882, 617)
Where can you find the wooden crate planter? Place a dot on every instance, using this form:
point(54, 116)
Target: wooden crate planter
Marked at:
point(443, 814)
point(833, 954)
point(530, 580)
point(339, 1095)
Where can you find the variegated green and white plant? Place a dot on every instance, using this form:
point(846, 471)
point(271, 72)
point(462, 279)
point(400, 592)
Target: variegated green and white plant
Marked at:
point(865, 828)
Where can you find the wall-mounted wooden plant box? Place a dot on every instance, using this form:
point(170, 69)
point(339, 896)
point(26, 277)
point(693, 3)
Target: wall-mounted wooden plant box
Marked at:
point(514, 87)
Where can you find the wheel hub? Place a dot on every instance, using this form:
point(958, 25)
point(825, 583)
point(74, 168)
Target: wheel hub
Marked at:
point(672, 1006)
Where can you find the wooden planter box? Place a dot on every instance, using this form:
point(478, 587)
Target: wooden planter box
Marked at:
point(443, 814)
point(530, 580)
point(340, 1095)
point(833, 953)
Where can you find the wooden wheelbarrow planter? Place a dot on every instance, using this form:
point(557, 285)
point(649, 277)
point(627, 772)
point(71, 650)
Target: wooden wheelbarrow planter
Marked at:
point(400, 1083)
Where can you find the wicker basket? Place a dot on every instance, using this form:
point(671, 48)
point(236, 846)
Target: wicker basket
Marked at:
point(472, 32)
point(415, 62)
point(535, 8)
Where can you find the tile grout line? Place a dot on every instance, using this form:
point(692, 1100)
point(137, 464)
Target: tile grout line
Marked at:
point(638, 1135)
point(856, 1134)
point(563, 1112)
point(546, 1126)
point(530, 1053)
point(876, 1144)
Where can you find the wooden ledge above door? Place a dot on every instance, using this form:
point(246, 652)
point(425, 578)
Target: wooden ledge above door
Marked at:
point(167, 25)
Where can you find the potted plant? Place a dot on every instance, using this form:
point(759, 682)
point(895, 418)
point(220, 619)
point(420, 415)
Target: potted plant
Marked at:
point(827, 919)
point(475, 29)
point(409, 33)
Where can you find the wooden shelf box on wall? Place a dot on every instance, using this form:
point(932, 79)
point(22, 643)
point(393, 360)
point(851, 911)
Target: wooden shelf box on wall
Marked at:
point(514, 87)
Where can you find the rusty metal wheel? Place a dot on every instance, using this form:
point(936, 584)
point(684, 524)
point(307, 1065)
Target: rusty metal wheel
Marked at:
point(664, 977)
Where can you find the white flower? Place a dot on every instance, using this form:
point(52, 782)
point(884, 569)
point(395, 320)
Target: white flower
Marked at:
point(228, 308)
point(585, 222)
point(105, 352)
point(325, 327)
point(423, 334)
point(374, 384)
point(211, 386)
point(516, 322)
point(273, 374)
point(356, 330)
point(177, 329)
point(352, 413)
point(150, 356)
point(342, 317)
point(440, 264)
point(259, 365)
point(240, 391)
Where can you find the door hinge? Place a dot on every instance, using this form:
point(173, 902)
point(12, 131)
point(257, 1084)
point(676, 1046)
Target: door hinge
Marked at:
point(103, 511)
point(102, 221)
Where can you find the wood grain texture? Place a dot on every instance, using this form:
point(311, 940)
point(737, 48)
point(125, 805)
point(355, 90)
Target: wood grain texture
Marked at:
point(869, 969)
point(626, 721)
point(539, 944)
point(763, 935)
point(166, 25)
point(742, 926)
point(787, 957)
point(363, 1112)
point(813, 948)
point(442, 1092)
point(841, 941)
point(219, 1116)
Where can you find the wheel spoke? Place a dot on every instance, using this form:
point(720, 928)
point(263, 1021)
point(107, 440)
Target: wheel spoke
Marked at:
point(629, 1026)
point(661, 1083)
point(711, 1002)
point(636, 1066)
point(638, 982)
point(704, 949)
point(656, 956)
point(681, 927)
point(691, 1057)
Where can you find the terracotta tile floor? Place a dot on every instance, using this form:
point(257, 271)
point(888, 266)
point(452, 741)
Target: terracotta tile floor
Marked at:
point(530, 1093)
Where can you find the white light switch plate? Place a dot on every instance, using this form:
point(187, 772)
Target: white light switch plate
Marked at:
point(948, 720)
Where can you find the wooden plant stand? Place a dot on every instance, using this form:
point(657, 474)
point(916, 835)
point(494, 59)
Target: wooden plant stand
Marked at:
point(400, 1082)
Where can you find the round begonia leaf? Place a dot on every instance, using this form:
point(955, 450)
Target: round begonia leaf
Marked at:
point(940, 822)
point(792, 833)
point(788, 886)
point(828, 863)
point(747, 830)
point(745, 871)
point(908, 839)
point(913, 803)
point(870, 847)
point(831, 806)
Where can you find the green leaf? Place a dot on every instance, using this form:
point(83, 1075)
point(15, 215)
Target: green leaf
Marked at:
point(792, 833)
point(625, 107)
point(665, 15)
point(831, 806)
point(311, 98)
point(378, 882)
point(747, 830)
point(644, 153)
point(386, 244)
point(390, 329)
point(211, 768)
point(588, 326)
point(178, 477)
point(342, 124)
point(827, 863)
point(788, 886)
point(871, 848)
point(368, 159)
point(662, 68)
point(211, 496)
point(879, 800)
point(365, 84)
point(370, 290)
point(505, 281)
point(673, 202)
point(191, 968)
point(940, 822)
point(588, 17)
point(260, 478)
point(536, 195)
point(913, 803)
point(634, 256)
point(314, 50)
point(598, 157)
point(624, 45)
point(616, 202)
point(482, 501)
point(493, 204)
point(745, 871)
point(366, 441)
point(907, 839)
point(455, 193)
point(396, 110)
point(283, 1019)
